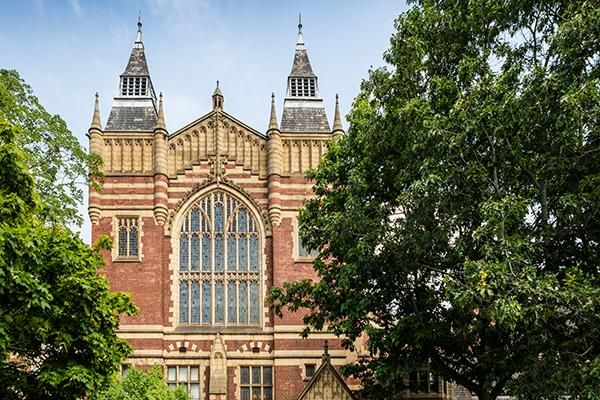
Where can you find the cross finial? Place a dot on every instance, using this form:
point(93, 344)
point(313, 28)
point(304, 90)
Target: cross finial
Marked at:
point(299, 23)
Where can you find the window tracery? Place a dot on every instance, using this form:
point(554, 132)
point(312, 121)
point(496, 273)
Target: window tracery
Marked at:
point(219, 253)
point(128, 237)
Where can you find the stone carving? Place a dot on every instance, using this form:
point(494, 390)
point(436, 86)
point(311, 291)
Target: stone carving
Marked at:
point(218, 367)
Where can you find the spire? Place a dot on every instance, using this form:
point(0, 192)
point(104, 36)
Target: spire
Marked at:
point(138, 39)
point(96, 118)
point(273, 120)
point(160, 122)
point(300, 41)
point(137, 65)
point(135, 107)
point(337, 120)
point(218, 98)
point(303, 109)
point(301, 66)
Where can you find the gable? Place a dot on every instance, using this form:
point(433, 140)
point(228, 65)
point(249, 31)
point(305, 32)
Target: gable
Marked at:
point(327, 384)
point(235, 141)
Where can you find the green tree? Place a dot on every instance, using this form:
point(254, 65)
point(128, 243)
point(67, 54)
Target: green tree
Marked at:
point(59, 164)
point(58, 318)
point(139, 385)
point(458, 222)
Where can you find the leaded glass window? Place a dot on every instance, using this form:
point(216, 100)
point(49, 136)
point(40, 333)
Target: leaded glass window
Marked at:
point(424, 381)
point(186, 377)
point(128, 237)
point(303, 251)
point(256, 383)
point(219, 263)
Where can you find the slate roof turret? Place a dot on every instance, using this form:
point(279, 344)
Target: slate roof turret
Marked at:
point(303, 109)
point(134, 108)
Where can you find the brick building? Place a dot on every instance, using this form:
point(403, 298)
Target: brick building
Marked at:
point(203, 221)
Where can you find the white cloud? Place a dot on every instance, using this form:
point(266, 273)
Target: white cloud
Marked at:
point(76, 7)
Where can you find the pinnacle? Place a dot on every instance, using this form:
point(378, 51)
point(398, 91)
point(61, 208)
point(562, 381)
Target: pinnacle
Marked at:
point(273, 120)
point(337, 120)
point(96, 118)
point(160, 122)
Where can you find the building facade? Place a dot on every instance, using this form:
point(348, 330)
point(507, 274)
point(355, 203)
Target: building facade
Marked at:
point(204, 223)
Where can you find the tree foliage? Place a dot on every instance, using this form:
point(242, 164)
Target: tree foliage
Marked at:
point(59, 164)
point(458, 222)
point(58, 318)
point(139, 385)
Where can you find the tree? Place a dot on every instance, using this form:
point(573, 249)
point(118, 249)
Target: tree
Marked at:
point(139, 385)
point(458, 222)
point(58, 318)
point(59, 164)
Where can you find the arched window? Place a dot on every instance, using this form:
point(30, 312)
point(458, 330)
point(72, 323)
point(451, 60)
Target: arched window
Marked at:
point(219, 269)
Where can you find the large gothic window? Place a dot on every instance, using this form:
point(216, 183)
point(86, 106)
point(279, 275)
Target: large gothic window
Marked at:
point(219, 273)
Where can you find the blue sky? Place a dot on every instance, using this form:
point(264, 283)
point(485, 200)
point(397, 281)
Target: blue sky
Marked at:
point(69, 49)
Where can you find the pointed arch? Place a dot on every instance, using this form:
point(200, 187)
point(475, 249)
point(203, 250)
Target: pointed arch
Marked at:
point(218, 239)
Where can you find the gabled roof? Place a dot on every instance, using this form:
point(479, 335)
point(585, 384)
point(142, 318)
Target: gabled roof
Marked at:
point(326, 383)
point(227, 116)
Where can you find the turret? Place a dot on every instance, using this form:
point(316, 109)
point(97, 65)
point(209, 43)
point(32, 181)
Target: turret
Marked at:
point(161, 180)
point(274, 165)
point(303, 109)
point(134, 108)
point(95, 147)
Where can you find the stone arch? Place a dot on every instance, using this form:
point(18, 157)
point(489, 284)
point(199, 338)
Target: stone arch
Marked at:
point(235, 292)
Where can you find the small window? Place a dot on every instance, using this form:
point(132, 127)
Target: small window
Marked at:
point(256, 383)
point(303, 252)
point(128, 240)
point(309, 370)
point(424, 381)
point(185, 376)
point(124, 369)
